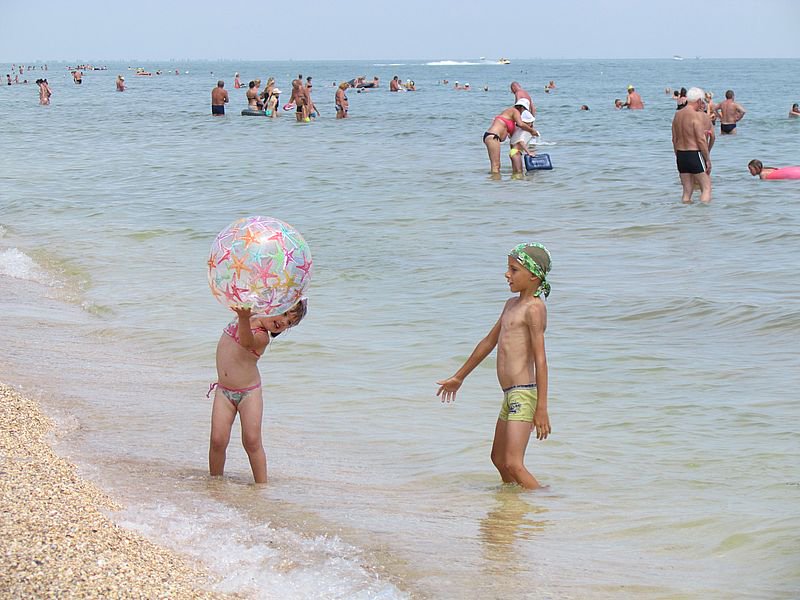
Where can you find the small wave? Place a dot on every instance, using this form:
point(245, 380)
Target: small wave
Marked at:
point(453, 63)
point(389, 65)
point(17, 264)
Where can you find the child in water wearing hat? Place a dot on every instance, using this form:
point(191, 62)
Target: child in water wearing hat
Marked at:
point(521, 363)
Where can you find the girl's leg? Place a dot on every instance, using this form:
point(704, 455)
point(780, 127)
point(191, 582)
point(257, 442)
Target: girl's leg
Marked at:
point(517, 434)
point(499, 450)
point(251, 410)
point(223, 414)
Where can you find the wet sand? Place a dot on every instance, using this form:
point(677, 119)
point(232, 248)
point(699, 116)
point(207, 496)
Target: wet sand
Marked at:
point(56, 538)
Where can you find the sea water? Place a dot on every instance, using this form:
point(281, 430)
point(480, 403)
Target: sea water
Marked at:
point(672, 339)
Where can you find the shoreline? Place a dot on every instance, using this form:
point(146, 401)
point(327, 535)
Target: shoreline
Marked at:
point(58, 540)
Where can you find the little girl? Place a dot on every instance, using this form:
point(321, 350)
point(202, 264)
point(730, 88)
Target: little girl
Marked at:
point(238, 385)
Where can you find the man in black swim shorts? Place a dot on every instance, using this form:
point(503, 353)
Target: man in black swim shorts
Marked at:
point(219, 96)
point(692, 139)
point(730, 113)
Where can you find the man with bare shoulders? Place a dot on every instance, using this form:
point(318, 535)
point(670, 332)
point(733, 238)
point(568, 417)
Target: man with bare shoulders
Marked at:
point(634, 100)
point(730, 113)
point(219, 97)
point(77, 76)
point(520, 93)
point(299, 99)
point(394, 84)
point(692, 139)
point(252, 96)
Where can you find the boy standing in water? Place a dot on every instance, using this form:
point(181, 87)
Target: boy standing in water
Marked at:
point(521, 363)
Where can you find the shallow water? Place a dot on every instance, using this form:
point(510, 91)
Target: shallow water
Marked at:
point(671, 341)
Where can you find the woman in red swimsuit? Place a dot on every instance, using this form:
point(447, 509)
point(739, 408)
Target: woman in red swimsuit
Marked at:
point(503, 126)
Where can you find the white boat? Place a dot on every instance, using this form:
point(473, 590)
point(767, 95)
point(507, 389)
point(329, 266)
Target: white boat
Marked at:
point(676, 57)
point(503, 61)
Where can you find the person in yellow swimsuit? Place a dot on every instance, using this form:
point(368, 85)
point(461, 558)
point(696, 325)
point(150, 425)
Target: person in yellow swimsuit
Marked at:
point(521, 364)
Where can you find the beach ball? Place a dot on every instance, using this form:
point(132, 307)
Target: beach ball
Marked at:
point(260, 263)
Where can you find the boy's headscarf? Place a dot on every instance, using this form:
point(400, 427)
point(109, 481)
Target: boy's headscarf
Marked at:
point(536, 259)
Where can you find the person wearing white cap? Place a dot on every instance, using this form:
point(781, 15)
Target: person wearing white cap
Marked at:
point(504, 125)
point(692, 139)
point(520, 139)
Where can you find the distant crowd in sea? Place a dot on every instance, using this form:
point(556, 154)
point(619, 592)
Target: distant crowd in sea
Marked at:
point(693, 126)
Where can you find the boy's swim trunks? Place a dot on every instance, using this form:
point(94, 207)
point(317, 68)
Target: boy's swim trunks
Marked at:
point(519, 403)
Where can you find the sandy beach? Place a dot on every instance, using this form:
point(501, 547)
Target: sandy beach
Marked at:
point(57, 539)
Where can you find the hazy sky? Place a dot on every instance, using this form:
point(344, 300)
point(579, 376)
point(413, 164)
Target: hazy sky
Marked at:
point(89, 30)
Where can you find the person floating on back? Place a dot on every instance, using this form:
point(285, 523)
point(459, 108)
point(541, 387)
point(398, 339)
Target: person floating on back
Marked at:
point(521, 363)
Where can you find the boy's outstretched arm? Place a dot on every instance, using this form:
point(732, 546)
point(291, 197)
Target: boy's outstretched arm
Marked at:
point(449, 387)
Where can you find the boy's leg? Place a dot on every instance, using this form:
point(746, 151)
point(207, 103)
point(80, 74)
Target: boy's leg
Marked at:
point(251, 410)
point(517, 434)
point(499, 450)
point(222, 415)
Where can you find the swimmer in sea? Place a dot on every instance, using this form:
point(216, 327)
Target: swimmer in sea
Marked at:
point(504, 125)
point(340, 98)
point(795, 112)
point(219, 97)
point(252, 96)
point(299, 99)
point(520, 93)
point(730, 113)
point(756, 167)
point(634, 100)
point(120, 83)
point(520, 139)
point(692, 139)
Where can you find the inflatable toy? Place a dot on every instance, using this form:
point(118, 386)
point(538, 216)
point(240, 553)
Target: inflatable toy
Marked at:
point(261, 263)
point(785, 173)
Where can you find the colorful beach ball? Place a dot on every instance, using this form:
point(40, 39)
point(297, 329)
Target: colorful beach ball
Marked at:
point(261, 263)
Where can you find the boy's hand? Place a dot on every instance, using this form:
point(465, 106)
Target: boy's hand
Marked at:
point(542, 424)
point(448, 389)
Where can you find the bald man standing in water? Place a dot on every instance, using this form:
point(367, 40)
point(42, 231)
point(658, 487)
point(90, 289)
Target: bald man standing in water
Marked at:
point(692, 139)
point(219, 97)
point(520, 93)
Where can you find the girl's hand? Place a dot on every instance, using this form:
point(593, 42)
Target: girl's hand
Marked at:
point(242, 312)
point(448, 389)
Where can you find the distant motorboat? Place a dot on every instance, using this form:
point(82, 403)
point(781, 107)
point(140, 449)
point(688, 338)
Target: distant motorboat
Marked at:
point(676, 57)
point(503, 61)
